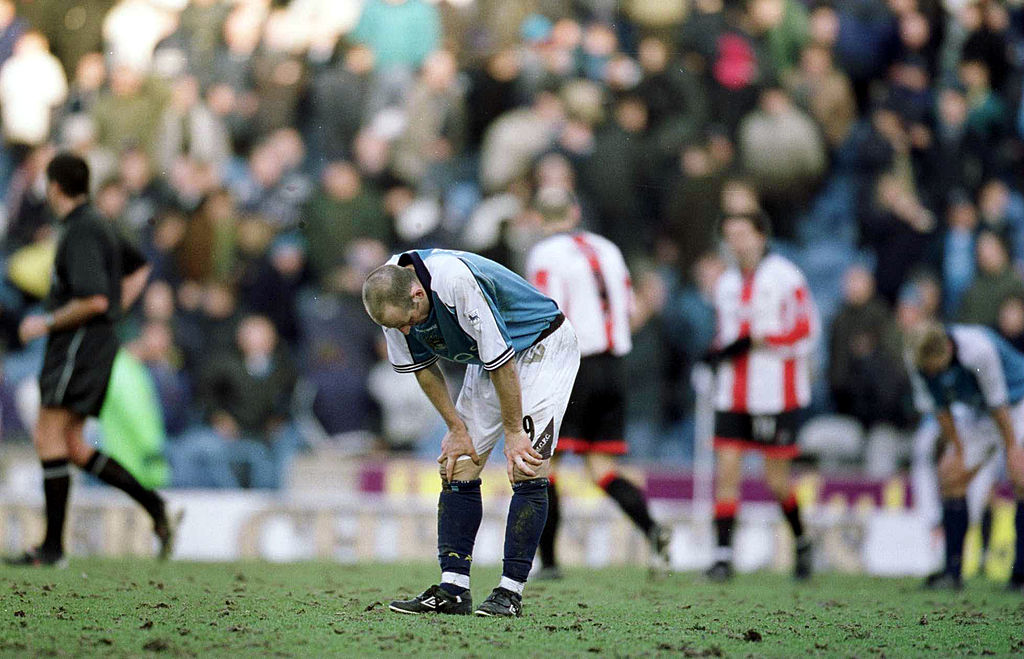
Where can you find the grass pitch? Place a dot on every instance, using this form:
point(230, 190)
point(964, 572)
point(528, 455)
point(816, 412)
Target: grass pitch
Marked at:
point(137, 607)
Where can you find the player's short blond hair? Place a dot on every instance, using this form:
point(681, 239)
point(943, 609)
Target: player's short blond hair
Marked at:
point(388, 286)
point(928, 342)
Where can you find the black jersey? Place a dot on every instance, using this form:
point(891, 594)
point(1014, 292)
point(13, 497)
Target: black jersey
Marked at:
point(92, 259)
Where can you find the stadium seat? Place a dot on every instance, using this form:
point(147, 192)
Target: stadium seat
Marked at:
point(833, 439)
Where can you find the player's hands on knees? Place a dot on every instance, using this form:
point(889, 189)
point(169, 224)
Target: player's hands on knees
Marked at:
point(1015, 466)
point(520, 454)
point(952, 473)
point(456, 443)
point(31, 328)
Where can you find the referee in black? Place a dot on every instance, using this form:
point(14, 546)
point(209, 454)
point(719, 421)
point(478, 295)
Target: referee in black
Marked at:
point(96, 275)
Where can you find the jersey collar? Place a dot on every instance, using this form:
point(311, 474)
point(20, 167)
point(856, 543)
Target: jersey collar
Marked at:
point(422, 274)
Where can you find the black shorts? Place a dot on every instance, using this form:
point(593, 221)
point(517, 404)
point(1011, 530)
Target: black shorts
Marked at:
point(76, 369)
point(595, 419)
point(772, 434)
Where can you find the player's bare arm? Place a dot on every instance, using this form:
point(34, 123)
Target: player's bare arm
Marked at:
point(519, 452)
point(133, 285)
point(76, 312)
point(953, 476)
point(456, 442)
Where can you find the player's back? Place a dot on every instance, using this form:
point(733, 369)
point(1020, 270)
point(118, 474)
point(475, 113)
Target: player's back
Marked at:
point(587, 276)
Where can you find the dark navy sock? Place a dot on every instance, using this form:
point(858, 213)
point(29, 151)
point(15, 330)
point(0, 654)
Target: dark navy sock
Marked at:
point(526, 517)
point(954, 523)
point(550, 534)
point(986, 529)
point(459, 511)
point(1018, 525)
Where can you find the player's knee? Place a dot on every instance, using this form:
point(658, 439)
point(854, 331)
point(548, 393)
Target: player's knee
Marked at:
point(951, 487)
point(465, 470)
point(542, 471)
point(79, 452)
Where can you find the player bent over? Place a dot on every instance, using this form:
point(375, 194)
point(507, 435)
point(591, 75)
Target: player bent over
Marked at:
point(971, 364)
point(767, 326)
point(587, 276)
point(96, 275)
point(521, 358)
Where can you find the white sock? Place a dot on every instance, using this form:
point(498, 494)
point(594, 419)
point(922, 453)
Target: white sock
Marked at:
point(723, 554)
point(515, 586)
point(460, 580)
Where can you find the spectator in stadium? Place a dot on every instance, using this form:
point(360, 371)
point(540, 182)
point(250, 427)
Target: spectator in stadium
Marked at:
point(246, 439)
point(32, 88)
point(783, 152)
point(343, 208)
point(586, 275)
point(691, 203)
point(762, 359)
point(340, 99)
point(865, 351)
point(970, 364)
point(954, 251)
point(995, 281)
point(521, 357)
point(97, 275)
point(899, 228)
point(12, 26)
point(824, 92)
point(435, 131)
point(128, 115)
point(401, 33)
point(1011, 321)
point(518, 136)
point(188, 128)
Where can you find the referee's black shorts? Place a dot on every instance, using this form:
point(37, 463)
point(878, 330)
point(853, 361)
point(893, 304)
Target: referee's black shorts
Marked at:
point(595, 419)
point(76, 369)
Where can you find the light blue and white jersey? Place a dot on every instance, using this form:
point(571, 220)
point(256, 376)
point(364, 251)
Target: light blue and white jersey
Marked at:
point(986, 372)
point(480, 312)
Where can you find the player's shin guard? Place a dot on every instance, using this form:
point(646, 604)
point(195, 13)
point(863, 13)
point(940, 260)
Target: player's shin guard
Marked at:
point(630, 499)
point(550, 534)
point(1018, 560)
point(110, 471)
point(725, 519)
point(459, 511)
point(526, 516)
point(56, 484)
point(792, 513)
point(954, 524)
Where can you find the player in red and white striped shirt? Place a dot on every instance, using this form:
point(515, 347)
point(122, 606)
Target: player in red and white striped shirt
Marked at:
point(587, 276)
point(767, 326)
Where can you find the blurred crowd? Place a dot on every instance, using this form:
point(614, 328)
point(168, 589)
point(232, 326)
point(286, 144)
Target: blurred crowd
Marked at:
point(267, 154)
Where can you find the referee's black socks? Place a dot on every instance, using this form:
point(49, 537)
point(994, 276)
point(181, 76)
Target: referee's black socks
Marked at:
point(56, 483)
point(110, 471)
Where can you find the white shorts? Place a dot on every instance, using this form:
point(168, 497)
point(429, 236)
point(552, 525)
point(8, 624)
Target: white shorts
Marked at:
point(981, 437)
point(547, 371)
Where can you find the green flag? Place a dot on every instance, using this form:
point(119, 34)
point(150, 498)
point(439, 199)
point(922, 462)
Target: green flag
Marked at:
point(132, 423)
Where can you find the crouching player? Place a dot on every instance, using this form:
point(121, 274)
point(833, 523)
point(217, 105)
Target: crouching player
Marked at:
point(972, 365)
point(521, 359)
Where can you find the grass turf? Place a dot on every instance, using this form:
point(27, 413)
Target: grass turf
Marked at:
point(135, 607)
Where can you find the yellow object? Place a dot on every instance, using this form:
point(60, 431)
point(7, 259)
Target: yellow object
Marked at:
point(30, 267)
